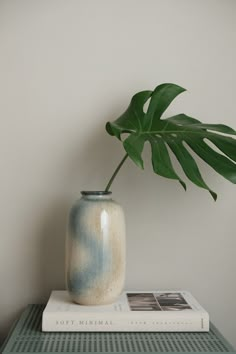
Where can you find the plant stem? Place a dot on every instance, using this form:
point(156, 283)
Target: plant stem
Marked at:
point(115, 173)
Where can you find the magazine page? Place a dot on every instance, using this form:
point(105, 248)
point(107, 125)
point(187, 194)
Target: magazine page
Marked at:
point(157, 301)
point(60, 302)
point(130, 301)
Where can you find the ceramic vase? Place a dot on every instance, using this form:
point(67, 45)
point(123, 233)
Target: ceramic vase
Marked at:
point(95, 249)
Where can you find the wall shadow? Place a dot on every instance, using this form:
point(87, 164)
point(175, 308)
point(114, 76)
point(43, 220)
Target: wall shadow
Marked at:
point(52, 249)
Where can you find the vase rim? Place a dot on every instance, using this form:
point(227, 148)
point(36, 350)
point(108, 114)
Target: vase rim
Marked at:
point(87, 193)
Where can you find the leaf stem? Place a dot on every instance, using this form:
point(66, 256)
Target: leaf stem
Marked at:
point(115, 173)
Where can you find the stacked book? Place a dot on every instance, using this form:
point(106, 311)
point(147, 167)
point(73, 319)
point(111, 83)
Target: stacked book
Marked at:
point(146, 311)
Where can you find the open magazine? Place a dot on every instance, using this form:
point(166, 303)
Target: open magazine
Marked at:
point(133, 311)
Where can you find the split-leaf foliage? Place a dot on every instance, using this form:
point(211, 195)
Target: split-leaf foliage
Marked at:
point(179, 134)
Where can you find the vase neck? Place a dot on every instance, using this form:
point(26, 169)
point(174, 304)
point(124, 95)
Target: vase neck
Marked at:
point(96, 195)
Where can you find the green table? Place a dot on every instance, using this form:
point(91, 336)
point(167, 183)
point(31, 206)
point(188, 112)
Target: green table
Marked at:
point(26, 337)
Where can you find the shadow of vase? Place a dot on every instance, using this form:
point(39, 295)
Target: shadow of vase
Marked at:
point(51, 261)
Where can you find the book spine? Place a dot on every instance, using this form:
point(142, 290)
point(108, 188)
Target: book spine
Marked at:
point(57, 324)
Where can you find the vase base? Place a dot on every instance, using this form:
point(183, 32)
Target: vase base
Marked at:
point(99, 300)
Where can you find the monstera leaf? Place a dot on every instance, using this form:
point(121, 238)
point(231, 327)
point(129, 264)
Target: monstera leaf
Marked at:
point(181, 134)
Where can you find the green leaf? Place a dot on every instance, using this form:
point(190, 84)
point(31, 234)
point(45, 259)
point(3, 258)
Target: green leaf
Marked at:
point(133, 118)
point(161, 161)
point(183, 119)
point(216, 127)
point(189, 165)
point(226, 144)
point(134, 146)
point(175, 131)
point(162, 97)
point(218, 162)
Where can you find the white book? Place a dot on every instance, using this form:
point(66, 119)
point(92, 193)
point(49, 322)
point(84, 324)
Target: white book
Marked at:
point(134, 311)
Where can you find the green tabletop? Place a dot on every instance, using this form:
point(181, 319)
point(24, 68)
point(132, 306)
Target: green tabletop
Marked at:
point(26, 337)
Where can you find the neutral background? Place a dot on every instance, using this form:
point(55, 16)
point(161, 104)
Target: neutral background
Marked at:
point(67, 67)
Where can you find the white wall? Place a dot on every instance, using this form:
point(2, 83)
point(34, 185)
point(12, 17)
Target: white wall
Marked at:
point(67, 67)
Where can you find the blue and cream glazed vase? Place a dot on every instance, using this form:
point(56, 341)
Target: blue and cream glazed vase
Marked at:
point(95, 249)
